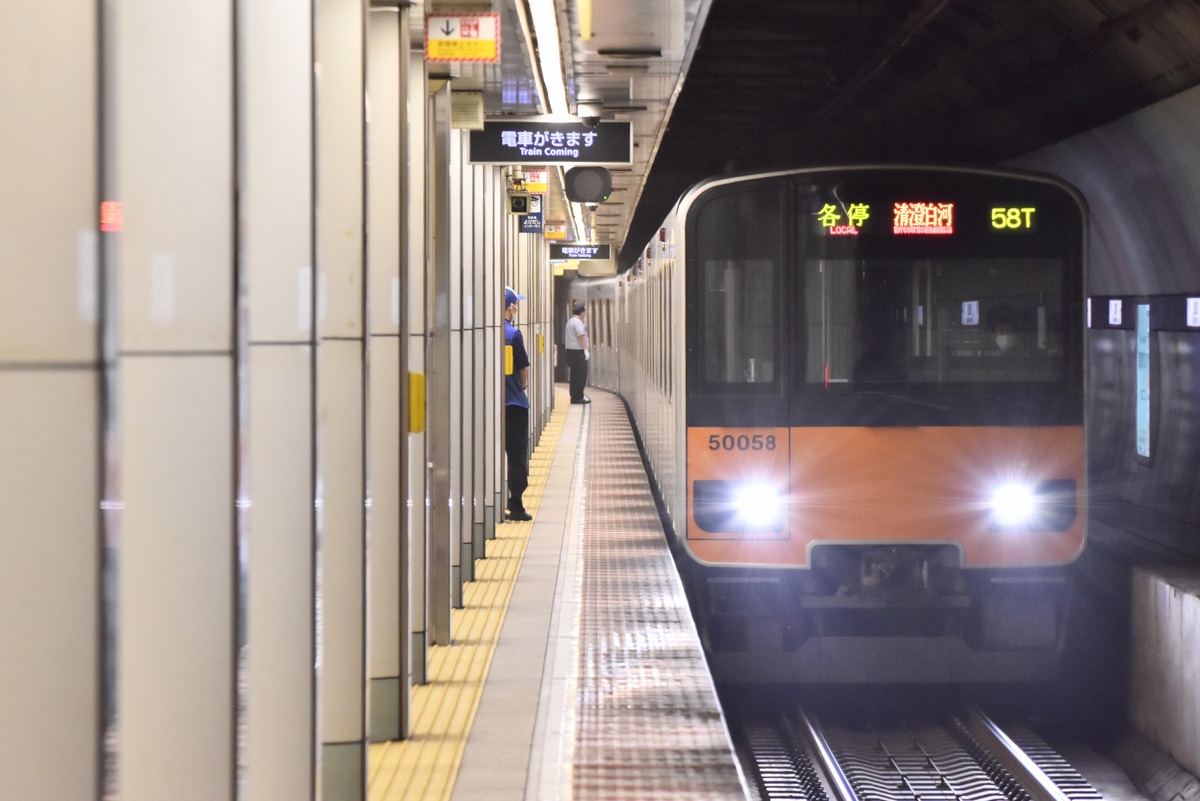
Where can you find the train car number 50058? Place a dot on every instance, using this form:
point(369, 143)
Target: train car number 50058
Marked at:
point(741, 442)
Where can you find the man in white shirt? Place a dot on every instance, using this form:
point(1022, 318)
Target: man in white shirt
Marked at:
point(575, 346)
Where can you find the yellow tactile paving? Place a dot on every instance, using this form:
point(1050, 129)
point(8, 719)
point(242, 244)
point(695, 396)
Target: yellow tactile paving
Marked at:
point(424, 766)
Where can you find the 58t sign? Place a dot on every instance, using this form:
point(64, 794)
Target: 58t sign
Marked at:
point(1014, 218)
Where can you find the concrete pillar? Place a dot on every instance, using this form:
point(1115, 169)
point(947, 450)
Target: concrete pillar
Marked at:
point(442, 542)
point(462, 234)
point(414, 324)
point(387, 67)
point(51, 538)
point(277, 241)
point(342, 379)
point(494, 389)
point(480, 303)
point(178, 430)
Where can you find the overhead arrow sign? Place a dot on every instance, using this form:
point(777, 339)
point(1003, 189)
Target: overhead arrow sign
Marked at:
point(462, 37)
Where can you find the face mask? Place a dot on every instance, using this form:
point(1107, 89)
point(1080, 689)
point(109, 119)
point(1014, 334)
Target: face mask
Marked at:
point(1005, 341)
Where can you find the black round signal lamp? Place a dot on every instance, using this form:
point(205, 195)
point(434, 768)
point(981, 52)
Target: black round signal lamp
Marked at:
point(588, 184)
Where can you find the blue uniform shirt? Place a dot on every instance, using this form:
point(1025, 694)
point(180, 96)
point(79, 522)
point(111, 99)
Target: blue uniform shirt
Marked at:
point(514, 395)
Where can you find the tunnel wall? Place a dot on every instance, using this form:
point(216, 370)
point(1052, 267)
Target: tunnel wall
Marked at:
point(1141, 178)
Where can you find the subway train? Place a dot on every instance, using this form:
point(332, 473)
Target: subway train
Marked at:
point(860, 396)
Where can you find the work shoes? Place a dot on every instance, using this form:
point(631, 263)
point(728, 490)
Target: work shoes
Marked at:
point(521, 515)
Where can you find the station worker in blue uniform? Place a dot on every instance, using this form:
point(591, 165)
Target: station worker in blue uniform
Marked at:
point(516, 411)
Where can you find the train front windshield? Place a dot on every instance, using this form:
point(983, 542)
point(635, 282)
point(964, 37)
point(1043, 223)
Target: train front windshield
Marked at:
point(883, 285)
point(923, 322)
point(933, 321)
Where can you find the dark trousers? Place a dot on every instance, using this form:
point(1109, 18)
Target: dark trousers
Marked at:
point(516, 447)
point(579, 373)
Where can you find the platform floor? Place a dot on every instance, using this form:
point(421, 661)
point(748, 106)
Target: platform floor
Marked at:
point(576, 672)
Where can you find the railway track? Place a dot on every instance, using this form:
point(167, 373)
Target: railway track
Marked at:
point(958, 756)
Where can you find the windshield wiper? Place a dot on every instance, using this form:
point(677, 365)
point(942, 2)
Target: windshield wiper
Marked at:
point(908, 400)
point(1001, 399)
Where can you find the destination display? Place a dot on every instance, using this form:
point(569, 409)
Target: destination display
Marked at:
point(916, 218)
point(922, 218)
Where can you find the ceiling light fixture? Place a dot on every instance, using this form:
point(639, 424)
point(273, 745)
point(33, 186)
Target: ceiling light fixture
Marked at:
point(549, 55)
point(585, 19)
point(631, 52)
point(624, 69)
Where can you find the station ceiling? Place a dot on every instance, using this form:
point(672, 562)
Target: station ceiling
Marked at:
point(715, 86)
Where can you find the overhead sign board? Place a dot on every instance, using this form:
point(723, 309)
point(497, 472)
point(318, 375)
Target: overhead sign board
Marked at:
point(462, 37)
point(562, 250)
point(538, 142)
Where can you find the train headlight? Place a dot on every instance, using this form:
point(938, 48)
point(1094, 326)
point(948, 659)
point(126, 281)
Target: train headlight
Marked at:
point(750, 507)
point(1046, 505)
point(1014, 504)
point(758, 505)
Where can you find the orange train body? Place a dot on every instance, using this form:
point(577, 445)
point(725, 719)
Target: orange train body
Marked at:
point(888, 485)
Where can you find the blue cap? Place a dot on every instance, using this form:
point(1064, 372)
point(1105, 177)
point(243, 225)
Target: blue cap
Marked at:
point(511, 297)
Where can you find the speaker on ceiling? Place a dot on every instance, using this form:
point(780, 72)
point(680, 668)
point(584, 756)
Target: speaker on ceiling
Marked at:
point(588, 184)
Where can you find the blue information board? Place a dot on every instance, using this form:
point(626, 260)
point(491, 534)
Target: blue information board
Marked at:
point(531, 223)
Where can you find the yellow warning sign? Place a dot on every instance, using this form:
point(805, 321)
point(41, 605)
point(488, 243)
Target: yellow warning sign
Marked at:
point(537, 182)
point(462, 37)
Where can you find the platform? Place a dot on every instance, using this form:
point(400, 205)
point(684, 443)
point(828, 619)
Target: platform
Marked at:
point(1165, 686)
point(576, 672)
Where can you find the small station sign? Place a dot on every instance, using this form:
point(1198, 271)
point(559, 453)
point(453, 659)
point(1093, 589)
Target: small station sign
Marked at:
point(581, 251)
point(462, 37)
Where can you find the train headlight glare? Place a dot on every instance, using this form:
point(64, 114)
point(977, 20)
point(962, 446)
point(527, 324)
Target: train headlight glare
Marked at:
point(753, 507)
point(1014, 504)
point(758, 505)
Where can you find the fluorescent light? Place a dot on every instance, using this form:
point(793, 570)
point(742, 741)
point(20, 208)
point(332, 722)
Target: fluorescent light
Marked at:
point(585, 19)
point(545, 28)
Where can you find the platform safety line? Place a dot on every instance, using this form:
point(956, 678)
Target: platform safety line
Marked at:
point(425, 765)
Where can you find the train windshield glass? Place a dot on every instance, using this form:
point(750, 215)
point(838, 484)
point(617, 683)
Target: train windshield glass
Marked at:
point(932, 322)
point(741, 234)
point(739, 310)
point(946, 283)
